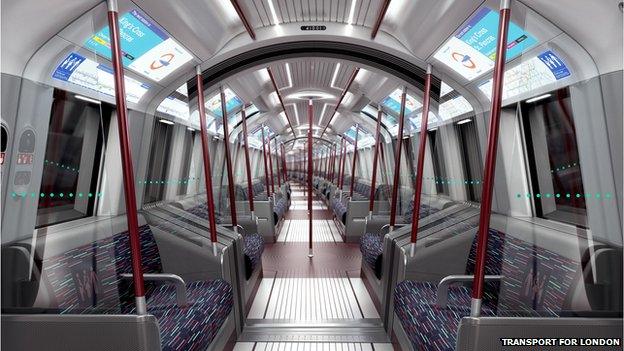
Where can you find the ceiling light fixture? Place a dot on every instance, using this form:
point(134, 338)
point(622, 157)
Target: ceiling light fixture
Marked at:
point(322, 114)
point(537, 98)
point(273, 13)
point(87, 99)
point(334, 76)
point(311, 95)
point(290, 84)
point(464, 121)
point(165, 121)
point(296, 113)
point(351, 13)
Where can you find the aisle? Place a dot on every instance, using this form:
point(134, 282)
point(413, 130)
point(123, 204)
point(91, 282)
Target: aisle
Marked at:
point(312, 304)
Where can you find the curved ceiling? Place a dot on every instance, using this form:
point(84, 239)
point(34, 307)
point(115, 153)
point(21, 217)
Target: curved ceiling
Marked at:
point(212, 31)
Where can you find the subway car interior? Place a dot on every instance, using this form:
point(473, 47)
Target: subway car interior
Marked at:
point(311, 175)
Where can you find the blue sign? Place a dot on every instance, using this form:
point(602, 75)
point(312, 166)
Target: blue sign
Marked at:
point(67, 67)
point(555, 64)
point(145, 47)
point(137, 35)
point(481, 32)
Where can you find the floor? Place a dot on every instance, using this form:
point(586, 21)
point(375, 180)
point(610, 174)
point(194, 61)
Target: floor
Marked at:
point(317, 303)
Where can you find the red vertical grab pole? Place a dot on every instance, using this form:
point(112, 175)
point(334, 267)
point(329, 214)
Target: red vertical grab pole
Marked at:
point(284, 165)
point(277, 164)
point(490, 159)
point(126, 160)
point(270, 164)
point(228, 161)
point(397, 162)
point(310, 122)
point(355, 152)
point(342, 166)
point(266, 167)
point(248, 165)
point(375, 159)
point(212, 221)
point(421, 158)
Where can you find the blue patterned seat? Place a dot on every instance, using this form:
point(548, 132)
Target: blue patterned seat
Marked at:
point(371, 246)
point(536, 283)
point(253, 246)
point(201, 211)
point(251, 253)
point(85, 280)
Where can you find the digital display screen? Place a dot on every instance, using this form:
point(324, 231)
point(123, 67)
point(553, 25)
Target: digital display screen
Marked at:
point(393, 102)
point(445, 89)
point(146, 49)
point(541, 70)
point(454, 107)
point(89, 74)
point(25, 158)
point(231, 102)
point(174, 107)
point(472, 51)
point(416, 121)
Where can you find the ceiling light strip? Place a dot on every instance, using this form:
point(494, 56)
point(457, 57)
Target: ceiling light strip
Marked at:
point(351, 13)
point(243, 18)
point(279, 96)
point(380, 17)
point(344, 93)
point(290, 83)
point(273, 13)
point(334, 76)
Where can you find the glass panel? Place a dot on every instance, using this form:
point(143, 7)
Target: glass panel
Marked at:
point(471, 52)
point(148, 50)
point(75, 144)
point(158, 166)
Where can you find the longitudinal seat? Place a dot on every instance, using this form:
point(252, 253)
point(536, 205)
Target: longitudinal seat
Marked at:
point(535, 282)
point(253, 243)
point(371, 244)
point(89, 280)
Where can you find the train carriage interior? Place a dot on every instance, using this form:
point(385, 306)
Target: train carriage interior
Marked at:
point(311, 175)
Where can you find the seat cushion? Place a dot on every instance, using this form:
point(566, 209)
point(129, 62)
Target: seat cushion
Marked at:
point(253, 246)
point(371, 246)
point(429, 328)
point(195, 326)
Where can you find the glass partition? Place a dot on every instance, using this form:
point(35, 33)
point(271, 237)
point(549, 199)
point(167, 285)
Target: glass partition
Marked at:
point(554, 233)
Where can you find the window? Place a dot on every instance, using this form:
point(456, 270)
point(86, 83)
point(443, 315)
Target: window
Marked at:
point(437, 156)
point(471, 159)
point(72, 160)
point(158, 162)
point(187, 153)
point(553, 158)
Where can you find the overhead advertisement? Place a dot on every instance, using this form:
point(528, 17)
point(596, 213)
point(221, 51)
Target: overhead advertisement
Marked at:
point(544, 69)
point(454, 107)
point(89, 74)
point(174, 107)
point(231, 102)
point(472, 51)
point(146, 49)
point(393, 102)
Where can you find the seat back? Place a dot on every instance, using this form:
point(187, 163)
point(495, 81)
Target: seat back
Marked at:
point(536, 280)
point(85, 279)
